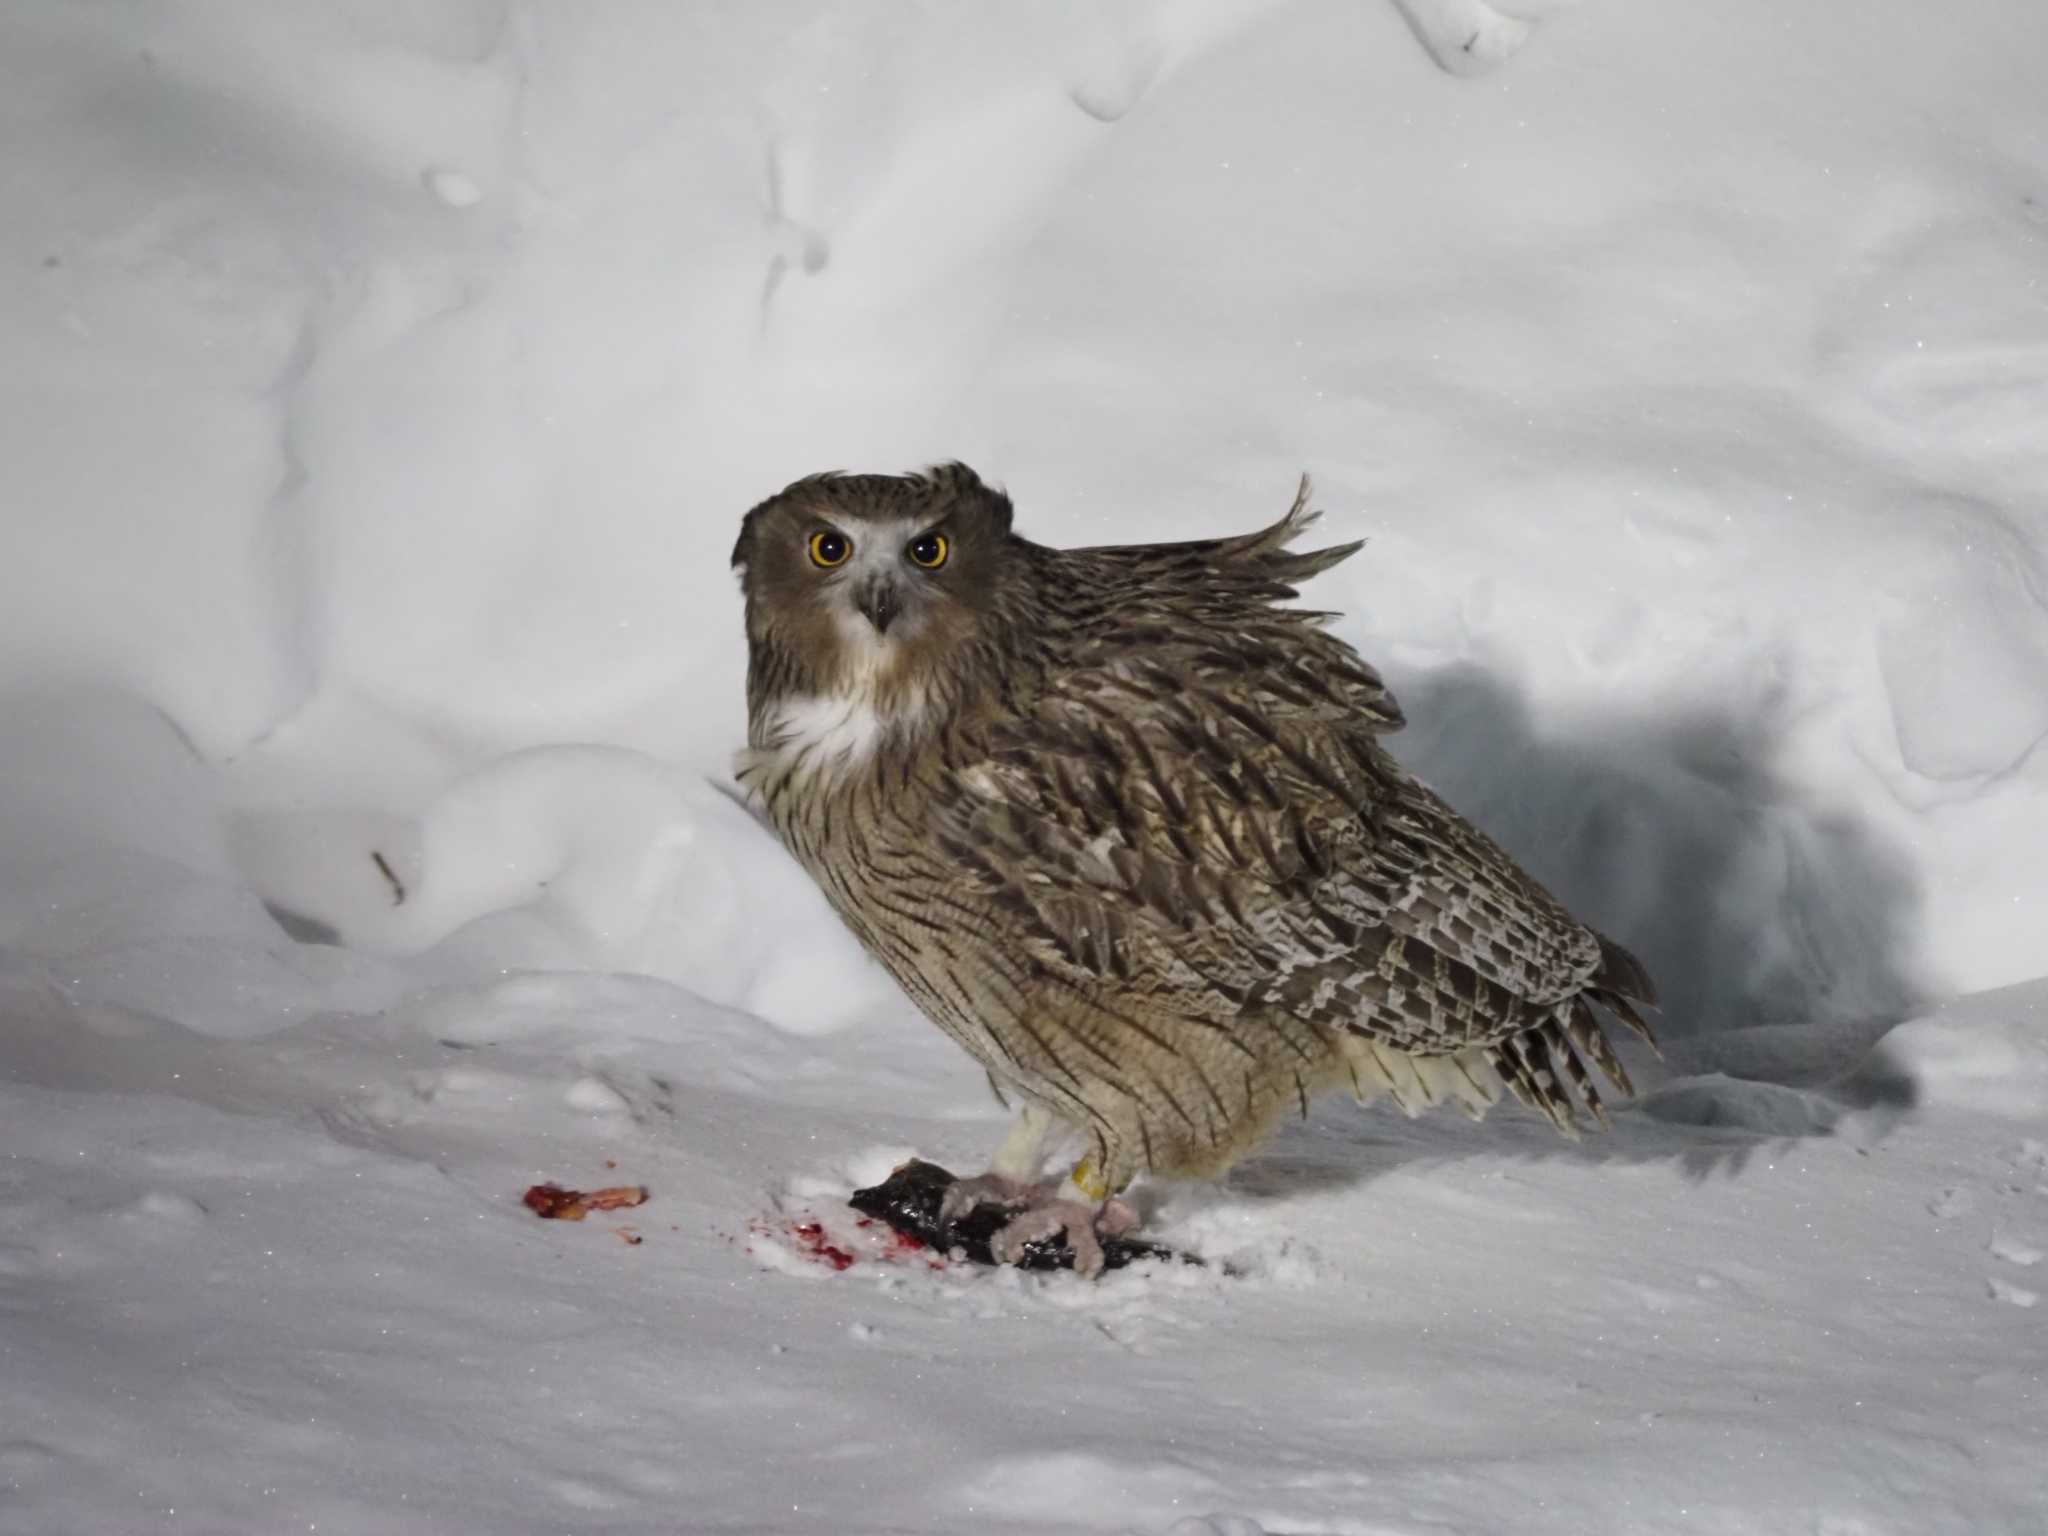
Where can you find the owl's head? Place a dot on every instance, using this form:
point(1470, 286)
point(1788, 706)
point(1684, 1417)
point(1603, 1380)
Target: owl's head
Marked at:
point(869, 584)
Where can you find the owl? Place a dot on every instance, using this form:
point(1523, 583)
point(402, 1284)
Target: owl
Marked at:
point(1122, 825)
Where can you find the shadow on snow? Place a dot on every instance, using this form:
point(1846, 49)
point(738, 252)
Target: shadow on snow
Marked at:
point(1778, 931)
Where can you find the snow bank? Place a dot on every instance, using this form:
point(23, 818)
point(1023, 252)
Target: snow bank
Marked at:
point(1684, 389)
point(384, 386)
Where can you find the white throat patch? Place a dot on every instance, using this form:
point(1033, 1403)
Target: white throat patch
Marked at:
point(832, 728)
point(822, 737)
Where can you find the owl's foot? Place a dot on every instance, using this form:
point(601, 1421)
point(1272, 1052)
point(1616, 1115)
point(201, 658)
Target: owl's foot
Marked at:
point(1082, 1225)
point(963, 1195)
point(1043, 1210)
point(910, 1200)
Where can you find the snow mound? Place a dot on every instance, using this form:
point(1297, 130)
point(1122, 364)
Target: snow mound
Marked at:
point(118, 889)
point(1987, 1053)
point(586, 858)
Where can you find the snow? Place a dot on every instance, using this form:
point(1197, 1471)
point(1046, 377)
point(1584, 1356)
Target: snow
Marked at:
point(385, 385)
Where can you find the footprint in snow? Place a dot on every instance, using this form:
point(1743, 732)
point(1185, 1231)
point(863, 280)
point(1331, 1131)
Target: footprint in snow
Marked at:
point(2009, 1248)
point(2003, 1245)
point(2006, 1291)
point(1951, 1203)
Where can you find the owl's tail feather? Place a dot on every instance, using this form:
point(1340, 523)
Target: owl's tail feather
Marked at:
point(1549, 1064)
point(1545, 1067)
point(1533, 1065)
point(1620, 986)
point(1621, 972)
point(1625, 1011)
point(1585, 1033)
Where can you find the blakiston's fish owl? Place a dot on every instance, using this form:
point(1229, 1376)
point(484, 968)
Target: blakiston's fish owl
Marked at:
point(1124, 829)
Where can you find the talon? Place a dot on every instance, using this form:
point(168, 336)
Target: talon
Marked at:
point(1050, 1220)
point(1116, 1218)
point(986, 1189)
point(1080, 1208)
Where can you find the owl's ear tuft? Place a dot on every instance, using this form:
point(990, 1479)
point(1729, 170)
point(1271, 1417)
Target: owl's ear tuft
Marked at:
point(964, 487)
point(997, 510)
point(743, 551)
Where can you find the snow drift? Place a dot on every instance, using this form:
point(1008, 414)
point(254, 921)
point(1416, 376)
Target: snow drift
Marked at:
point(385, 384)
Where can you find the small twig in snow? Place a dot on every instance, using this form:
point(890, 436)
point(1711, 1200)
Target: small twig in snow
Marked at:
point(397, 885)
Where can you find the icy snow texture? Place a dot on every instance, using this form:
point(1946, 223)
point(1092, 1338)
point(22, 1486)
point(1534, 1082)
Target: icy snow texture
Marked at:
point(384, 384)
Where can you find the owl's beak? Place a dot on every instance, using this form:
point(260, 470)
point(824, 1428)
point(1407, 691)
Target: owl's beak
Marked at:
point(881, 602)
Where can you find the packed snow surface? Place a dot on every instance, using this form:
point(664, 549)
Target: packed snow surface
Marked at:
point(384, 384)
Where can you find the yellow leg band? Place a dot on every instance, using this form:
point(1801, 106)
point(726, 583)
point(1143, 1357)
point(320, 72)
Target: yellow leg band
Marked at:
point(1089, 1180)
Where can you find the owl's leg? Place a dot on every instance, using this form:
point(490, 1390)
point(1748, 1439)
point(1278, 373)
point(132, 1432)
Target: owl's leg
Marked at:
point(1012, 1178)
point(1024, 1148)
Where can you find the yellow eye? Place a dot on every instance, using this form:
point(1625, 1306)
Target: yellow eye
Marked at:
point(929, 551)
point(830, 548)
